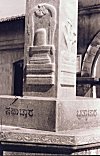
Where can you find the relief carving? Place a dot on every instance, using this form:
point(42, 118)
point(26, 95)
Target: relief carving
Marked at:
point(39, 138)
point(69, 40)
point(45, 16)
point(42, 49)
point(67, 49)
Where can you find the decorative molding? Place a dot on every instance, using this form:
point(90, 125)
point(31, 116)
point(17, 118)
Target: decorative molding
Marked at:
point(37, 138)
point(18, 135)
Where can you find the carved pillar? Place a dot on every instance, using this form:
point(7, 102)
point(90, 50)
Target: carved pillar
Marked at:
point(50, 48)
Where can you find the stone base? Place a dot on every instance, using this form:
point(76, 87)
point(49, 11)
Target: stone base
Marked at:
point(49, 114)
point(20, 142)
point(50, 126)
point(28, 112)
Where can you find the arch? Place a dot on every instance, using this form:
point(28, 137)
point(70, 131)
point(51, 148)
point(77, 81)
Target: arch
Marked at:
point(91, 57)
point(96, 74)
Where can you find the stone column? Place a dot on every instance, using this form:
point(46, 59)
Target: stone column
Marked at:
point(50, 48)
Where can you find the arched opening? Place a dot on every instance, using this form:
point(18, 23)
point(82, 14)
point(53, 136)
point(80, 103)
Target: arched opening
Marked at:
point(18, 78)
point(90, 57)
point(90, 73)
point(96, 74)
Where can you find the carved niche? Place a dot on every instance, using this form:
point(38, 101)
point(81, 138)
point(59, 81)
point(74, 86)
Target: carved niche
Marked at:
point(44, 25)
point(44, 16)
point(42, 51)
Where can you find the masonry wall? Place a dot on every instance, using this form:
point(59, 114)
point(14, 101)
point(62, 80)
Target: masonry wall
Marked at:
point(11, 50)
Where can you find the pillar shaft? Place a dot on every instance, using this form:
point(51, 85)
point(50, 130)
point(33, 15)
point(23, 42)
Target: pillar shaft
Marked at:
point(50, 48)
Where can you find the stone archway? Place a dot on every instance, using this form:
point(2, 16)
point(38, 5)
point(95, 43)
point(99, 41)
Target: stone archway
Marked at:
point(96, 74)
point(91, 57)
point(91, 61)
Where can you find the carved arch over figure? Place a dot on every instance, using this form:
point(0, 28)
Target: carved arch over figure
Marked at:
point(44, 16)
point(91, 57)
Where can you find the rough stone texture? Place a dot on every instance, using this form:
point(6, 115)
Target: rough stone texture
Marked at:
point(50, 23)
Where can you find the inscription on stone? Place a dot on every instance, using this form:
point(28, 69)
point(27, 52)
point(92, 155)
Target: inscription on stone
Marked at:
point(19, 112)
point(85, 114)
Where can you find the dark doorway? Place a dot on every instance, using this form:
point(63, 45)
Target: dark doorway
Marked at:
point(18, 78)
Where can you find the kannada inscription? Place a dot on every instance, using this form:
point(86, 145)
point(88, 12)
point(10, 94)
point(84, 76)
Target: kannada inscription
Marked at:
point(85, 114)
point(9, 111)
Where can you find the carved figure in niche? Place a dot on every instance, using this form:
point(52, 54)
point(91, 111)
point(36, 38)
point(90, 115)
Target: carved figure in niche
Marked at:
point(44, 26)
point(45, 17)
point(69, 35)
point(69, 40)
point(41, 26)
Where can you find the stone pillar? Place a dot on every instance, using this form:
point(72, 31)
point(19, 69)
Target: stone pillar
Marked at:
point(50, 48)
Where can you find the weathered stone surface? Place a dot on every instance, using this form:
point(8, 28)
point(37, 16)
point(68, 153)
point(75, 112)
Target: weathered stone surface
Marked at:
point(50, 114)
point(85, 114)
point(28, 112)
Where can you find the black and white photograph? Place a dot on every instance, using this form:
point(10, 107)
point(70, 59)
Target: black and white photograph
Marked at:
point(49, 77)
